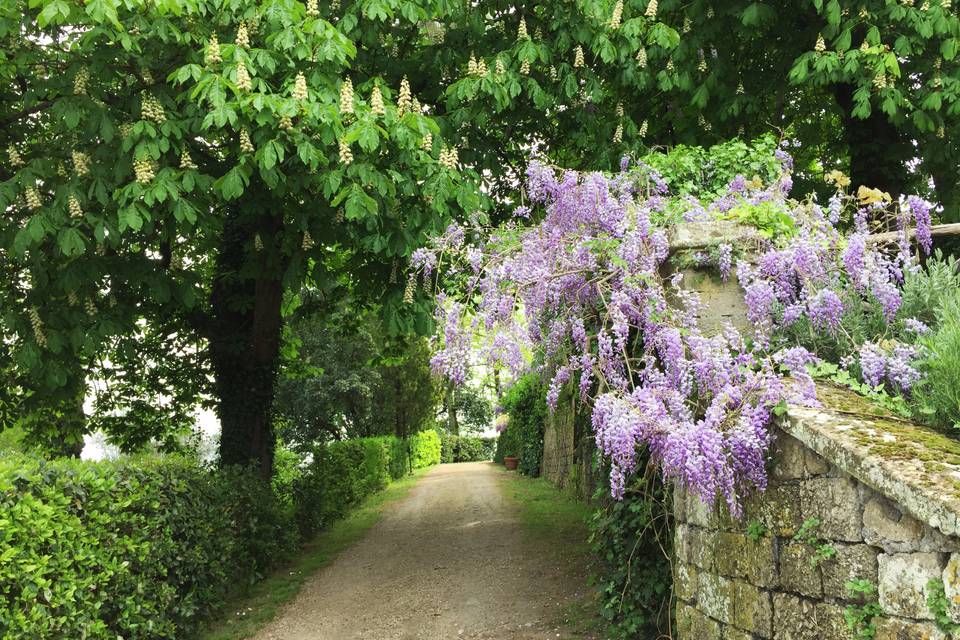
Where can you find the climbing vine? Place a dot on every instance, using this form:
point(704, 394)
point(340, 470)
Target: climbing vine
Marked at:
point(583, 287)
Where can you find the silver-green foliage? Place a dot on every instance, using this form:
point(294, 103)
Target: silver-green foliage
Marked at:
point(938, 397)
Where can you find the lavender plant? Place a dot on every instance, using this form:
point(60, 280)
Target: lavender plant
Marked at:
point(585, 289)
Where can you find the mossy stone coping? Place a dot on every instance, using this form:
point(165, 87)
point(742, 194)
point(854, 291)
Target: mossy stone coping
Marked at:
point(916, 467)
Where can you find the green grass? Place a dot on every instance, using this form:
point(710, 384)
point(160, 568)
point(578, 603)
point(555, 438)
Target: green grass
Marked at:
point(548, 513)
point(246, 613)
point(558, 522)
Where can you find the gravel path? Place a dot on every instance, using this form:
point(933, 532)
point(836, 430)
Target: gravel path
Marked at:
point(448, 561)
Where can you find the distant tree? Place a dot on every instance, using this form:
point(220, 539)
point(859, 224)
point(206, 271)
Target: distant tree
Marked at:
point(328, 380)
point(344, 378)
point(473, 410)
point(405, 400)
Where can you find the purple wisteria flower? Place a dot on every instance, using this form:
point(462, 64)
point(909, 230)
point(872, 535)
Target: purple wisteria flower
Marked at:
point(825, 309)
point(916, 326)
point(901, 371)
point(920, 210)
point(724, 260)
point(873, 364)
point(584, 293)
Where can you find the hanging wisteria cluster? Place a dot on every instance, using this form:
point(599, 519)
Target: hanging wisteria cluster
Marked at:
point(583, 289)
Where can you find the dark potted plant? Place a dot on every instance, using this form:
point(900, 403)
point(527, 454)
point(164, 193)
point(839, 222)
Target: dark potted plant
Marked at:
point(511, 462)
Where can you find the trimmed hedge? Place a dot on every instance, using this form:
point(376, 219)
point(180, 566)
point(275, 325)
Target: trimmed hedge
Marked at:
point(340, 475)
point(140, 548)
point(466, 448)
point(148, 547)
point(526, 405)
point(425, 449)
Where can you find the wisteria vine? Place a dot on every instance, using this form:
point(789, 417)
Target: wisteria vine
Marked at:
point(584, 289)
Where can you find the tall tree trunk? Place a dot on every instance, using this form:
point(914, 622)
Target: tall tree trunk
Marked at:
point(878, 150)
point(450, 399)
point(245, 336)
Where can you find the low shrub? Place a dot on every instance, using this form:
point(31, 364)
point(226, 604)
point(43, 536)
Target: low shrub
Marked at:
point(399, 455)
point(630, 540)
point(147, 547)
point(466, 448)
point(341, 474)
point(525, 404)
point(140, 548)
point(937, 398)
point(425, 449)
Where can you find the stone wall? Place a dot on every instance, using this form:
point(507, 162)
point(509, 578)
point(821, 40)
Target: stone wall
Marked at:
point(558, 445)
point(568, 450)
point(884, 497)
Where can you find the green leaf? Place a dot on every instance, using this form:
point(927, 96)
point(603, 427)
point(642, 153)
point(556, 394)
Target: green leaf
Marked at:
point(949, 49)
point(233, 184)
point(833, 13)
point(103, 11)
point(358, 204)
point(130, 218)
point(54, 12)
point(71, 242)
point(751, 15)
point(843, 42)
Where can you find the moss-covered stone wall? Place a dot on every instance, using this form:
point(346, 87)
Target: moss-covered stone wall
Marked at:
point(783, 571)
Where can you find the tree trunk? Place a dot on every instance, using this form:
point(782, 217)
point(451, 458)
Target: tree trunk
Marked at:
point(450, 398)
point(878, 150)
point(245, 336)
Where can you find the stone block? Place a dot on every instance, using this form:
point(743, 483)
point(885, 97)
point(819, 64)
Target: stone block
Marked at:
point(951, 586)
point(794, 618)
point(752, 609)
point(679, 502)
point(801, 619)
point(694, 545)
point(685, 581)
point(935, 541)
point(889, 628)
point(832, 623)
point(852, 562)
point(732, 633)
point(715, 597)
point(815, 464)
point(693, 625)
point(740, 556)
point(682, 542)
point(700, 513)
point(789, 457)
point(797, 571)
point(835, 501)
point(887, 527)
point(778, 509)
point(903, 579)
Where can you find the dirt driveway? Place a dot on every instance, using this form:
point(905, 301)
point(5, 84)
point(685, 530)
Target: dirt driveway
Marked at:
point(448, 561)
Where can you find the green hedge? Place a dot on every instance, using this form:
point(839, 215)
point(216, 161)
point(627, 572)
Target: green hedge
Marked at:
point(425, 449)
point(148, 547)
point(525, 404)
point(141, 548)
point(466, 448)
point(341, 474)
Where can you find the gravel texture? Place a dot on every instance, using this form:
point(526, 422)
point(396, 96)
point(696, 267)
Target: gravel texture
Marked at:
point(450, 560)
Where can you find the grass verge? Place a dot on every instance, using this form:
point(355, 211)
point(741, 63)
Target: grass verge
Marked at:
point(246, 613)
point(558, 522)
